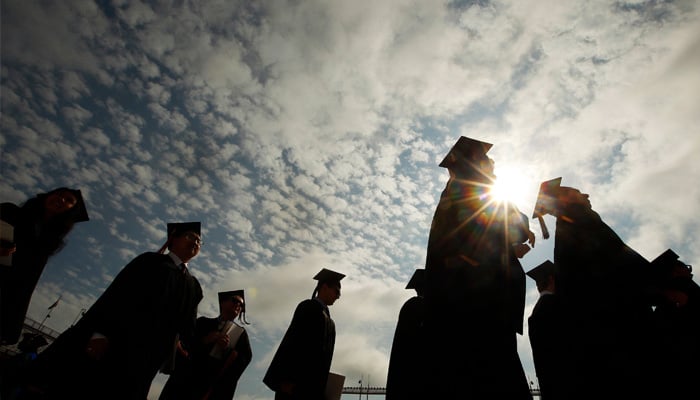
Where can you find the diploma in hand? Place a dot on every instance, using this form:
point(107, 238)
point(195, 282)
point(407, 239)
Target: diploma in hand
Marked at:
point(234, 332)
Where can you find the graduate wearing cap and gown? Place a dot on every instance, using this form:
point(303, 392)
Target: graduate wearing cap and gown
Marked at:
point(116, 349)
point(405, 376)
point(219, 353)
point(675, 363)
point(547, 339)
point(299, 370)
point(39, 228)
point(474, 279)
point(605, 287)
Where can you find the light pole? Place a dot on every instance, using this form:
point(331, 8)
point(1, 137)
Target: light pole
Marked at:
point(77, 317)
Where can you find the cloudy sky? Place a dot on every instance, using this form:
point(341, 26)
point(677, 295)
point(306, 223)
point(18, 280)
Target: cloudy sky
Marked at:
point(306, 134)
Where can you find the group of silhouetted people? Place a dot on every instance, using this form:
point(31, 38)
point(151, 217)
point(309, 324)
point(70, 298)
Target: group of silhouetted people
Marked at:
point(145, 322)
point(608, 323)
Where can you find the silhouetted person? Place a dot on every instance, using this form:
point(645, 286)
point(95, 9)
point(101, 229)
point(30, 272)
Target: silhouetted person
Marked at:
point(118, 346)
point(474, 280)
point(220, 352)
point(405, 379)
point(299, 370)
point(40, 227)
point(14, 367)
point(676, 333)
point(604, 286)
point(547, 340)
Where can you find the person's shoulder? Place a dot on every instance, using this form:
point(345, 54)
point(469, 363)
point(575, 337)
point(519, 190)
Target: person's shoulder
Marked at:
point(9, 211)
point(154, 256)
point(309, 304)
point(205, 321)
point(151, 259)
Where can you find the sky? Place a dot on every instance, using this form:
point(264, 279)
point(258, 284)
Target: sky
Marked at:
point(307, 134)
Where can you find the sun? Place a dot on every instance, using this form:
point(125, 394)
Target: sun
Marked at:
point(510, 186)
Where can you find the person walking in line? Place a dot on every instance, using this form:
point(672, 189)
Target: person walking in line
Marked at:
point(299, 370)
point(474, 278)
point(405, 377)
point(217, 356)
point(117, 348)
point(29, 236)
point(548, 343)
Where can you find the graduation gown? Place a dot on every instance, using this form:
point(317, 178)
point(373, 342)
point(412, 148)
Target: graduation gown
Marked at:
point(548, 345)
point(141, 313)
point(202, 373)
point(17, 282)
point(604, 286)
point(304, 356)
point(407, 361)
point(473, 278)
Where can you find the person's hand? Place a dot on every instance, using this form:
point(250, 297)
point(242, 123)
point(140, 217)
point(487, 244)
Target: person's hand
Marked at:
point(97, 348)
point(6, 251)
point(211, 337)
point(286, 387)
point(521, 249)
point(531, 238)
point(182, 350)
point(222, 340)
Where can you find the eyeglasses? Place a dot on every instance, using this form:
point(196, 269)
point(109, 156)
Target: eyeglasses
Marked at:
point(193, 238)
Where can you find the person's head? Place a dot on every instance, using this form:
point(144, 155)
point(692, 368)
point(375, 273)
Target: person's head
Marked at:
point(568, 196)
point(467, 160)
point(232, 305)
point(557, 200)
point(417, 281)
point(184, 239)
point(672, 278)
point(328, 286)
point(58, 210)
point(543, 275)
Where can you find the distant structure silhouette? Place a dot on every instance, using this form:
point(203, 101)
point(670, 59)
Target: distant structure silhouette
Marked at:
point(475, 285)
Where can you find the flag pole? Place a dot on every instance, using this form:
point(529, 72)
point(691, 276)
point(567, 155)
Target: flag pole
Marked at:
point(51, 307)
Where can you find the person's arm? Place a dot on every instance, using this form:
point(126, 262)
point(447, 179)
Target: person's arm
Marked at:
point(112, 311)
point(9, 213)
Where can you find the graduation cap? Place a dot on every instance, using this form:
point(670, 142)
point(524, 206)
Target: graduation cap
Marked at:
point(546, 201)
point(225, 296)
point(417, 281)
point(664, 265)
point(328, 277)
point(78, 212)
point(465, 148)
point(180, 228)
point(541, 272)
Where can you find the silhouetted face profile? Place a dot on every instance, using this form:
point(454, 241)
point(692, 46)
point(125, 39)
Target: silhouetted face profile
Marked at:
point(186, 246)
point(59, 202)
point(230, 309)
point(570, 196)
point(329, 293)
point(477, 168)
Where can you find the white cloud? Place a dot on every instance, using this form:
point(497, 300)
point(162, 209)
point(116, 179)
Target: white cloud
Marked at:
point(308, 134)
